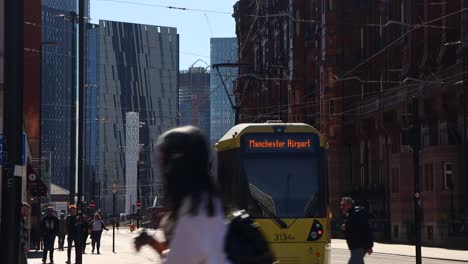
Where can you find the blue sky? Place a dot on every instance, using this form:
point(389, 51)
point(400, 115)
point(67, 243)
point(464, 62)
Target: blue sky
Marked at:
point(192, 26)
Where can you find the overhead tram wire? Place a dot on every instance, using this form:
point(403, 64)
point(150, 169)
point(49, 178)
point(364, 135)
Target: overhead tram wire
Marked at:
point(167, 7)
point(305, 104)
point(309, 104)
point(360, 107)
point(298, 106)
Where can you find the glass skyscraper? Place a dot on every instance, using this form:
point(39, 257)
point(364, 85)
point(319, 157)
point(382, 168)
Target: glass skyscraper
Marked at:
point(223, 50)
point(57, 68)
point(91, 182)
point(194, 98)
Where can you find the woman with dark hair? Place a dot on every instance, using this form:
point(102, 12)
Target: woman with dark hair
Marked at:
point(194, 228)
point(97, 226)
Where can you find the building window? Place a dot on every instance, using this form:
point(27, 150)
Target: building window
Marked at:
point(331, 108)
point(395, 180)
point(448, 179)
point(362, 176)
point(396, 231)
point(430, 232)
point(431, 178)
point(428, 183)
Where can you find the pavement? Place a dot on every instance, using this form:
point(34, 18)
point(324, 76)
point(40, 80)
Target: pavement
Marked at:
point(125, 252)
point(409, 250)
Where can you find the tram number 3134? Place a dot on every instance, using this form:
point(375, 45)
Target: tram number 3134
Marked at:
point(283, 237)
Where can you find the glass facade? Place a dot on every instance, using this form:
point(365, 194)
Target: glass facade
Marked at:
point(56, 95)
point(223, 50)
point(137, 72)
point(91, 183)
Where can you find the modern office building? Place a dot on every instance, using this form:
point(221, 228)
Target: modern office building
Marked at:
point(59, 72)
point(137, 72)
point(56, 91)
point(223, 50)
point(194, 98)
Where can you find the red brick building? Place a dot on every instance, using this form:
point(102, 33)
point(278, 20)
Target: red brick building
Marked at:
point(352, 68)
point(32, 74)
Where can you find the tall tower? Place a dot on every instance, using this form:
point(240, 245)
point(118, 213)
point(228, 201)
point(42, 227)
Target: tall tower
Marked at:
point(132, 142)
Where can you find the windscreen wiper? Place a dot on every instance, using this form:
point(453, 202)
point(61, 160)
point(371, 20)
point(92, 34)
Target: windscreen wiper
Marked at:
point(281, 224)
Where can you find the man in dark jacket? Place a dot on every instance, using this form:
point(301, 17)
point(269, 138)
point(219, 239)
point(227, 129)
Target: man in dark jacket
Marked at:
point(357, 229)
point(74, 234)
point(49, 228)
point(84, 232)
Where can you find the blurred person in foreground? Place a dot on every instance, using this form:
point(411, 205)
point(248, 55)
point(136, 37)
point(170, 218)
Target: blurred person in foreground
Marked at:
point(193, 230)
point(357, 230)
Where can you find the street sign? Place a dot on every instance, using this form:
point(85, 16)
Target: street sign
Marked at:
point(23, 154)
point(92, 205)
point(114, 188)
point(138, 204)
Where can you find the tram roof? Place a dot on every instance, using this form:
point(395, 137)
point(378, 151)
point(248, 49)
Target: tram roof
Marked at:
point(232, 138)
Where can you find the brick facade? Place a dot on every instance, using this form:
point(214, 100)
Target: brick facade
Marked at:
point(351, 70)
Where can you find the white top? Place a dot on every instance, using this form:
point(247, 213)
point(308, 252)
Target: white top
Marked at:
point(97, 225)
point(198, 239)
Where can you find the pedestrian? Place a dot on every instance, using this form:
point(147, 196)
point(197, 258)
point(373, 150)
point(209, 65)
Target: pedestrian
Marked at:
point(49, 228)
point(24, 233)
point(84, 232)
point(62, 231)
point(97, 226)
point(35, 237)
point(73, 234)
point(357, 230)
point(194, 228)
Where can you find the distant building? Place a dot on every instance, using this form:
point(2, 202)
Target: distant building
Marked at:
point(138, 72)
point(223, 50)
point(57, 86)
point(32, 76)
point(194, 98)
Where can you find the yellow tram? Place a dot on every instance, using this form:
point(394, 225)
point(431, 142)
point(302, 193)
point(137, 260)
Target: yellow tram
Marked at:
point(278, 172)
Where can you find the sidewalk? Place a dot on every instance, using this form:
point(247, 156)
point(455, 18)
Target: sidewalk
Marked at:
point(409, 250)
point(125, 252)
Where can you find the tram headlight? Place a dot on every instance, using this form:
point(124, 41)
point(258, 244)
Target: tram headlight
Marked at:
point(316, 231)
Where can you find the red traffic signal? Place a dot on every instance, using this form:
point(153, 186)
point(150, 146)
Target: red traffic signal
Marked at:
point(138, 204)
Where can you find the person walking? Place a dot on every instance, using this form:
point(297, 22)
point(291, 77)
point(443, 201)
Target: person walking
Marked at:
point(357, 229)
point(24, 233)
point(62, 231)
point(97, 226)
point(194, 228)
point(84, 232)
point(49, 228)
point(73, 233)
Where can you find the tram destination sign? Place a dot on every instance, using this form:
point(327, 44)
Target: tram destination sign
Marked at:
point(279, 142)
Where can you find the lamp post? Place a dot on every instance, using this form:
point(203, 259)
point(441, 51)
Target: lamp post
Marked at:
point(114, 189)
